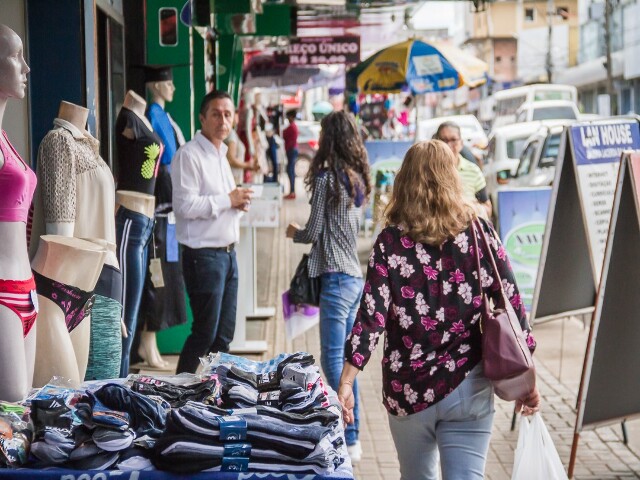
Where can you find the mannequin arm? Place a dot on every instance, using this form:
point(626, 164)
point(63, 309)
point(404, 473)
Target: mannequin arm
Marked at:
point(232, 156)
point(65, 229)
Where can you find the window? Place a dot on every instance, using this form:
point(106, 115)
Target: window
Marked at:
point(550, 113)
point(551, 149)
point(529, 14)
point(168, 18)
point(527, 159)
point(515, 146)
point(563, 13)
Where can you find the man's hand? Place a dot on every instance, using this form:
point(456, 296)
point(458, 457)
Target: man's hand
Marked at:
point(241, 198)
point(292, 228)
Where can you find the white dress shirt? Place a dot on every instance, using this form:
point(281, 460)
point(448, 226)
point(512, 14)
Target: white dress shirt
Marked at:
point(202, 181)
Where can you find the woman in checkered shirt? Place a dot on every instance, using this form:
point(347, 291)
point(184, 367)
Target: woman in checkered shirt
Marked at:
point(339, 184)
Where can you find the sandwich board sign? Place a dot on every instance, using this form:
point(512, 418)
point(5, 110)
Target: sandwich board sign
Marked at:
point(579, 214)
point(607, 392)
point(522, 215)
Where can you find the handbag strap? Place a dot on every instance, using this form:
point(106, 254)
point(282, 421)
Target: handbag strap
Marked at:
point(476, 225)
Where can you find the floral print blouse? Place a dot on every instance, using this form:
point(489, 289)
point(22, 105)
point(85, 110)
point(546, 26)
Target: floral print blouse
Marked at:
point(427, 300)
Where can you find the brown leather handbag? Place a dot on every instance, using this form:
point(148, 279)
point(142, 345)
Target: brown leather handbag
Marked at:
point(506, 359)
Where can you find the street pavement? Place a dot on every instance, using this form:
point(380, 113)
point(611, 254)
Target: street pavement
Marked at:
point(601, 455)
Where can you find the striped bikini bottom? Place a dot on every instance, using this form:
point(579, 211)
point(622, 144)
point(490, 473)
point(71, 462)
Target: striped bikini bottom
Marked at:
point(20, 296)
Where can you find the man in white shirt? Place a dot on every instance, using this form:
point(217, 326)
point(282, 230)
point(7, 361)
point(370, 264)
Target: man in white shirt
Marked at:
point(208, 207)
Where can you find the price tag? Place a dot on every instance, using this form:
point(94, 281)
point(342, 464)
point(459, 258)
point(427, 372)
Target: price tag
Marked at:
point(155, 268)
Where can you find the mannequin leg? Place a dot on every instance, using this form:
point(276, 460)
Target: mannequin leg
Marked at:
point(80, 338)
point(16, 369)
point(148, 350)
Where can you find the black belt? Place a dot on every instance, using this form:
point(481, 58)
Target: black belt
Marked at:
point(228, 248)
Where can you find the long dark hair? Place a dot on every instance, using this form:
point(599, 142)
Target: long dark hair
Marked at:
point(342, 154)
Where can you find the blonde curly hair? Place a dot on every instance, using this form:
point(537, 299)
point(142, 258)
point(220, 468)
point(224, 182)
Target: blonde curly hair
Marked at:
point(427, 199)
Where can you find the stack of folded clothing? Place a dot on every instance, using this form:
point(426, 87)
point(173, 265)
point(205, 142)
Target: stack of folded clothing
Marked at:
point(293, 384)
point(265, 439)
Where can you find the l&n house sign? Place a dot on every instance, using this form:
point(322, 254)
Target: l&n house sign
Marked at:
point(320, 50)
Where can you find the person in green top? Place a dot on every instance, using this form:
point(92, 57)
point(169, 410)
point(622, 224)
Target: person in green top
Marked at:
point(473, 181)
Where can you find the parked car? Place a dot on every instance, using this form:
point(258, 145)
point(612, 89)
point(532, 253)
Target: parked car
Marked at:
point(308, 138)
point(472, 132)
point(503, 154)
point(547, 110)
point(537, 165)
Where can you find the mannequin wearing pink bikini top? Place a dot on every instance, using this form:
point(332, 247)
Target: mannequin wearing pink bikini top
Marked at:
point(17, 291)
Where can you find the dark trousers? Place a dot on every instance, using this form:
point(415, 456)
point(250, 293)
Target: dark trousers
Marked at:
point(211, 278)
point(292, 156)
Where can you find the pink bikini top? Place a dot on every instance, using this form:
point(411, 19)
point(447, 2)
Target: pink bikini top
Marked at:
point(17, 184)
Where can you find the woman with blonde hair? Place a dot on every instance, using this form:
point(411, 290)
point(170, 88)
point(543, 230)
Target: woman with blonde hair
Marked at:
point(424, 292)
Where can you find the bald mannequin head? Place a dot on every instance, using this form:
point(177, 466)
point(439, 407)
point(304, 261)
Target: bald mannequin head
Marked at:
point(13, 68)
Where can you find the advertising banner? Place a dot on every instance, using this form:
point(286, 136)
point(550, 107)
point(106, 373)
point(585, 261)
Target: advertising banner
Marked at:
point(597, 149)
point(522, 220)
point(302, 51)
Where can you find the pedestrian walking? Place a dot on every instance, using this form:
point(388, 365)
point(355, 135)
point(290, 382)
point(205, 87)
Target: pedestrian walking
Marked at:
point(208, 207)
point(339, 182)
point(474, 184)
point(423, 291)
point(290, 136)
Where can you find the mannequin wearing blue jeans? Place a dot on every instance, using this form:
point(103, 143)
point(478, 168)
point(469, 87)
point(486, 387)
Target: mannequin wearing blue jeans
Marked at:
point(133, 233)
point(339, 301)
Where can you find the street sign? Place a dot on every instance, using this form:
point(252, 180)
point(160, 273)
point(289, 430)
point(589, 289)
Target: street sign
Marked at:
point(320, 50)
point(609, 391)
point(579, 215)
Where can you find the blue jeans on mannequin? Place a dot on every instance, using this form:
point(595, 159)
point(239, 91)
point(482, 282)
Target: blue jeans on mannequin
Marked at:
point(292, 156)
point(211, 278)
point(457, 427)
point(133, 233)
point(339, 301)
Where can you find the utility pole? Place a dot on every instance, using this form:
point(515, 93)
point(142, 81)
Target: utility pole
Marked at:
point(549, 60)
point(608, 10)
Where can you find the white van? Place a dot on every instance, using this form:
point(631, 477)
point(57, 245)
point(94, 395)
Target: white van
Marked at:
point(507, 102)
point(503, 154)
point(547, 110)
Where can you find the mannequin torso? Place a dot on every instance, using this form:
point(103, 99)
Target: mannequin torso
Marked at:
point(76, 263)
point(137, 105)
point(136, 202)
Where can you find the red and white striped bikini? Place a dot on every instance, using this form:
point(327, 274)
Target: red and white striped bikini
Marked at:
point(17, 184)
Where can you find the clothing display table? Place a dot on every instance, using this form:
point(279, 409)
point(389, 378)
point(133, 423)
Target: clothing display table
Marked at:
point(60, 474)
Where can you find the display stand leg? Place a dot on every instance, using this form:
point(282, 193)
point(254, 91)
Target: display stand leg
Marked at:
point(574, 451)
point(256, 312)
point(245, 255)
point(625, 436)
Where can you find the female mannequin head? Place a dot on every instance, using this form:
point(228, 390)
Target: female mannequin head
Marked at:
point(162, 90)
point(13, 68)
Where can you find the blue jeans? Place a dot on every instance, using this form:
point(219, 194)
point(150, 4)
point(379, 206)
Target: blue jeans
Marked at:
point(339, 301)
point(272, 155)
point(211, 278)
point(133, 232)
point(292, 156)
point(459, 427)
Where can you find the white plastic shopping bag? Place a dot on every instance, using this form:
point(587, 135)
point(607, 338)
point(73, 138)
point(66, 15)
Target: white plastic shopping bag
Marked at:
point(298, 318)
point(536, 457)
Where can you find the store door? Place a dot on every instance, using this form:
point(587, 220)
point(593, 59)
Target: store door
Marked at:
point(111, 80)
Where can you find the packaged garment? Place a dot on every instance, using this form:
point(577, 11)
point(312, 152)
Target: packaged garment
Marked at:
point(15, 440)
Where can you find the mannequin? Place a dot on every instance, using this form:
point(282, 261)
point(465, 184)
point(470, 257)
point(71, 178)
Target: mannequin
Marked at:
point(63, 347)
point(251, 130)
point(75, 196)
point(161, 307)
point(17, 350)
point(105, 349)
point(138, 149)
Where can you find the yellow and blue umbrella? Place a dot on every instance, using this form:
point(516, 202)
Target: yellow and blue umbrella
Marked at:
point(417, 66)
